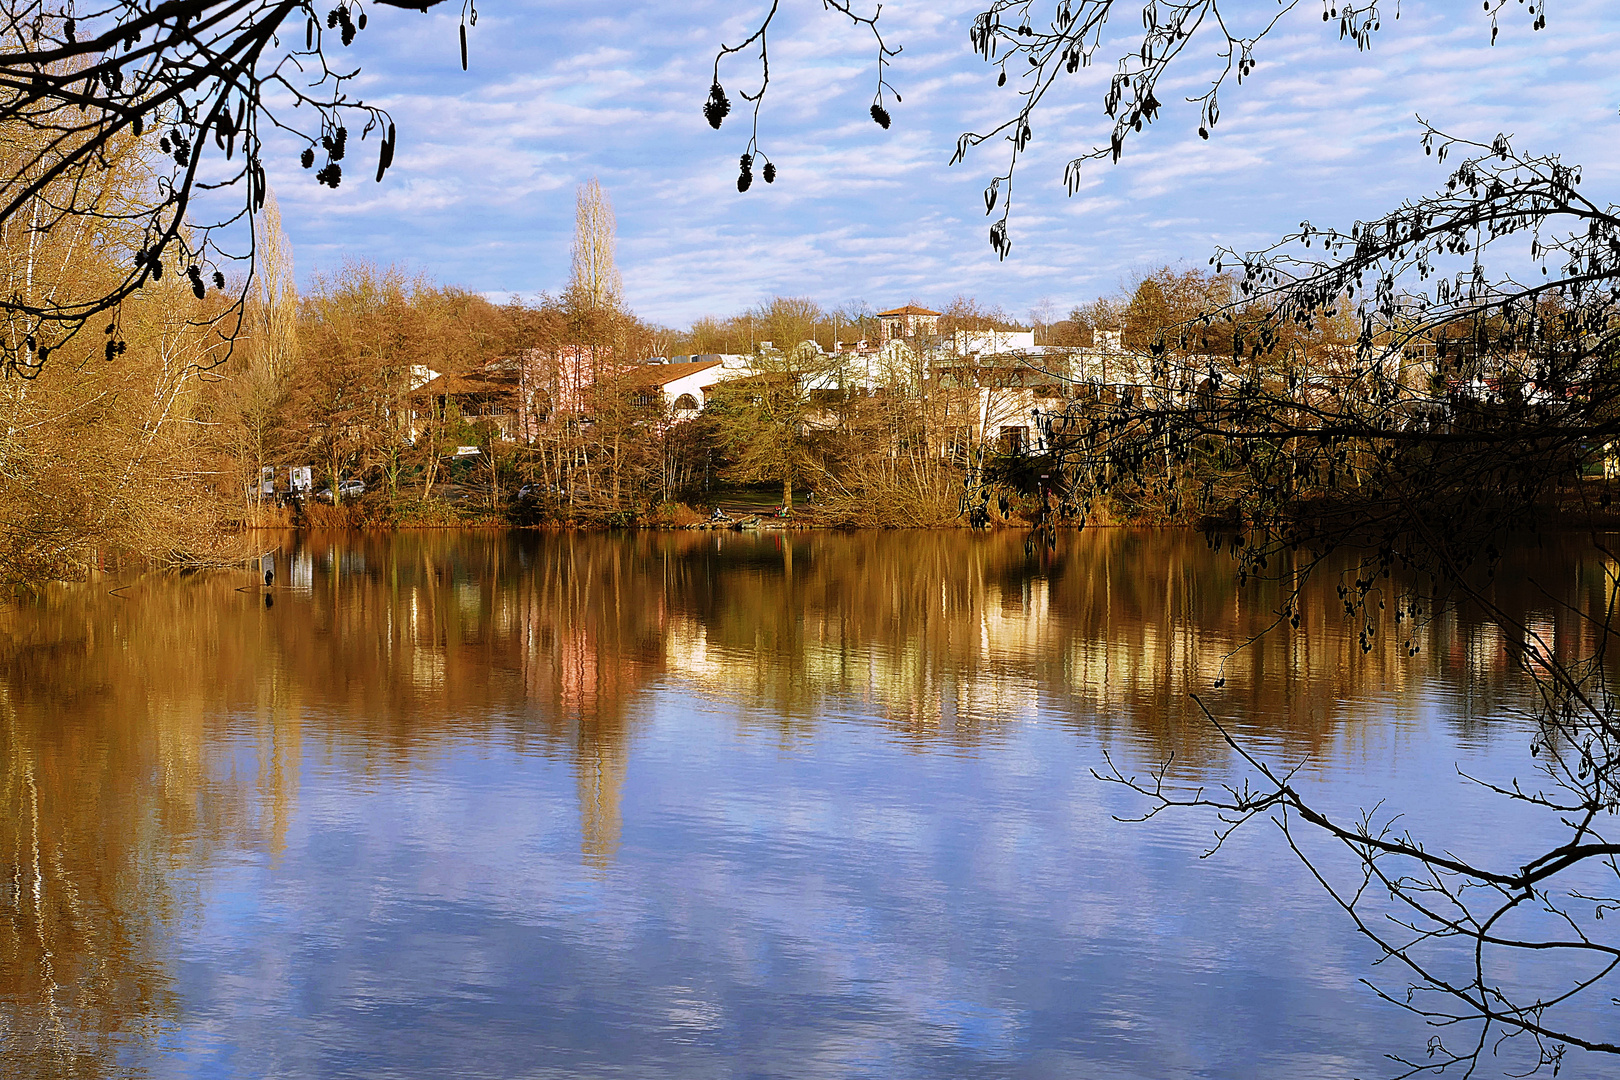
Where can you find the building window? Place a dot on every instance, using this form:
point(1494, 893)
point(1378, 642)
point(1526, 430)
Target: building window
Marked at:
point(686, 403)
point(1013, 440)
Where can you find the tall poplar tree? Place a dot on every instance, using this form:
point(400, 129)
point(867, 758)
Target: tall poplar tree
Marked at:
point(595, 282)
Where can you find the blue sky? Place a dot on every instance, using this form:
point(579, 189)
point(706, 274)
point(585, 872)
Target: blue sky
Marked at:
point(482, 192)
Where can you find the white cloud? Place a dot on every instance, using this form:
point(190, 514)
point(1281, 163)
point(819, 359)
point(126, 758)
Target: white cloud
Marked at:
point(482, 193)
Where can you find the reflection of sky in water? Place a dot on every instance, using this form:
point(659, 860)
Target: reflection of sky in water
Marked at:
point(536, 807)
point(836, 906)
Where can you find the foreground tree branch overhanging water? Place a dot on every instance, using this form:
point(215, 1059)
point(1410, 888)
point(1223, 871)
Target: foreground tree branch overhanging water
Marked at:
point(1375, 389)
point(1461, 400)
point(1428, 466)
point(78, 83)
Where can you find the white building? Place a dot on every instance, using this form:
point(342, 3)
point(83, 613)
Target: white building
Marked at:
point(684, 382)
point(987, 342)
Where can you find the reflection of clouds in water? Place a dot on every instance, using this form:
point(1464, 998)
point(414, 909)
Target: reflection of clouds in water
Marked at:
point(654, 806)
point(987, 1032)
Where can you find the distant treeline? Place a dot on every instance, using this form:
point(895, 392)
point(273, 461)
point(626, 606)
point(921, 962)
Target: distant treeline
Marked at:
point(336, 382)
point(164, 452)
point(160, 453)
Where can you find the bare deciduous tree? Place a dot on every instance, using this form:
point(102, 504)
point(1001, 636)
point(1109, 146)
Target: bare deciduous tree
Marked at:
point(203, 80)
point(1459, 407)
point(595, 278)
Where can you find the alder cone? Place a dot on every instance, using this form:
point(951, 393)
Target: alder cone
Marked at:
point(718, 107)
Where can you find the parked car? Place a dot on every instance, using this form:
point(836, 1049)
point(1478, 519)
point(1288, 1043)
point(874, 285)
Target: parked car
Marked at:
point(347, 489)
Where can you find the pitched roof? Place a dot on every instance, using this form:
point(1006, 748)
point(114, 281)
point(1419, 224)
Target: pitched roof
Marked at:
point(664, 374)
point(909, 309)
point(467, 384)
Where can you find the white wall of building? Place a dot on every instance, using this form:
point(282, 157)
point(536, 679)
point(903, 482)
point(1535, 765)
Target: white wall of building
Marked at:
point(987, 342)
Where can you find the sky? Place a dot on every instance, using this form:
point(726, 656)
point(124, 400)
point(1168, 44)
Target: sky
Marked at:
point(482, 193)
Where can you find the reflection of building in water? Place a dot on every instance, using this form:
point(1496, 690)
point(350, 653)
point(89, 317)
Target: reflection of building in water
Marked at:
point(945, 635)
point(427, 667)
point(301, 570)
point(565, 626)
point(586, 654)
point(588, 692)
point(909, 683)
point(586, 689)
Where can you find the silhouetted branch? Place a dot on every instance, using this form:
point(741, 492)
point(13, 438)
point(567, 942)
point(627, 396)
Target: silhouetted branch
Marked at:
point(157, 84)
point(1033, 45)
point(718, 106)
point(1419, 907)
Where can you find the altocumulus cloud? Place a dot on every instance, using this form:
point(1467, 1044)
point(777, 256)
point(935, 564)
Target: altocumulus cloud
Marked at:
point(482, 193)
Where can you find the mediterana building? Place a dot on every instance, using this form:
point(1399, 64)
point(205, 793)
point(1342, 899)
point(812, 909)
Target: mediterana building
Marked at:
point(992, 384)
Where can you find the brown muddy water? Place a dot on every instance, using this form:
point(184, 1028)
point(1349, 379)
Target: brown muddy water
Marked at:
point(712, 805)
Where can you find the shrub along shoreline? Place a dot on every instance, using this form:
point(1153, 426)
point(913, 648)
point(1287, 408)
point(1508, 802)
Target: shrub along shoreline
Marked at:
point(741, 511)
point(753, 510)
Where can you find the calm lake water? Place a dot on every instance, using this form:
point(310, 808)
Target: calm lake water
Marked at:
point(712, 805)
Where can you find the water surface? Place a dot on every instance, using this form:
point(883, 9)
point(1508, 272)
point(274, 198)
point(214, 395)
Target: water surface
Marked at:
point(709, 805)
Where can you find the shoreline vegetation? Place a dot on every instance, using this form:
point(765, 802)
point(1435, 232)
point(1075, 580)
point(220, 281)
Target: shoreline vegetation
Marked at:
point(1593, 504)
point(399, 404)
point(1181, 401)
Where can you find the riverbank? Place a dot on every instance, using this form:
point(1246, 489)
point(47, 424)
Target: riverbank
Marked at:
point(1590, 504)
point(735, 509)
point(678, 519)
point(682, 518)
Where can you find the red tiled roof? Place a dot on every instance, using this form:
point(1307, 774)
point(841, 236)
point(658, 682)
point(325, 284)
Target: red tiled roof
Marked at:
point(664, 374)
point(909, 309)
point(466, 384)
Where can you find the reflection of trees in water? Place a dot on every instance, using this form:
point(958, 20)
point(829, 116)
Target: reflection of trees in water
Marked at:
point(112, 717)
point(72, 941)
point(948, 635)
point(125, 720)
point(943, 635)
point(105, 800)
point(590, 632)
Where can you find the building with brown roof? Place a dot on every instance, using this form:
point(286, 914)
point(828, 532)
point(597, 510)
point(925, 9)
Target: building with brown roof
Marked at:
point(907, 322)
point(681, 387)
point(489, 395)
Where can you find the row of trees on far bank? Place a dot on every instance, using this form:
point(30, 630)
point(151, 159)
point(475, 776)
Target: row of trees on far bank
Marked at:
point(335, 380)
point(151, 436)
point(1280, 389)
